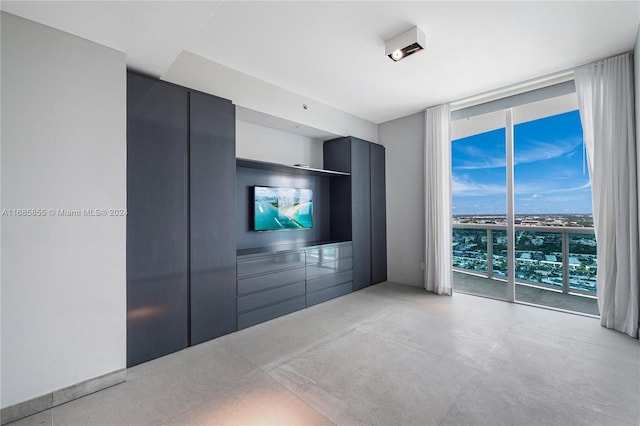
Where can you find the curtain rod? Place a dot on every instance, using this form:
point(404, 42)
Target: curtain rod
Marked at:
point(515, 89)
point(525, 86)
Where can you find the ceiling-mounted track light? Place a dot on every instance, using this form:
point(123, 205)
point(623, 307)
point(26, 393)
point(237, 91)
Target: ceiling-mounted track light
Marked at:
point(405, 44)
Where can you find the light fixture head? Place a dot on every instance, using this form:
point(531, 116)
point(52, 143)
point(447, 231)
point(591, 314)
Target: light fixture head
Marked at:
point(405, 44)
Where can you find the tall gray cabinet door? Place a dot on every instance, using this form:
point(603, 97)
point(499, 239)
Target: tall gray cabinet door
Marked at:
point(157, 300)
point(212, 217)
point(361, 213)
point(378, 215)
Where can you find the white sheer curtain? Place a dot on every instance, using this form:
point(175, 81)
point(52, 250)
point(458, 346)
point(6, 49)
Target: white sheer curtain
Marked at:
point(438, 274)
point(605, 97)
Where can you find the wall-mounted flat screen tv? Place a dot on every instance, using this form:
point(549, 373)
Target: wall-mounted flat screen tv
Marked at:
point(282, 208)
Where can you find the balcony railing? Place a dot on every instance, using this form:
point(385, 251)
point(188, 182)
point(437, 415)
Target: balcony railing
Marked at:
point(562, 259)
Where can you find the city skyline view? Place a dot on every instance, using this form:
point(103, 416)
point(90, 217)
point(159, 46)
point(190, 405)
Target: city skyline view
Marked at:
point(550, 173)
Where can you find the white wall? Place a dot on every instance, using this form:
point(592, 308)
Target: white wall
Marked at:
point(0, 209)
point(266, 144)
point(202, 74)
point(636, 60)
point(63, 147)
point(403, 139)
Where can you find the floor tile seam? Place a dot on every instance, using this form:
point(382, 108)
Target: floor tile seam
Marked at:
point(309, 401)
point(418, 348)
point(338, 319)
point(546, 345)
point(298, 397)
point(174, 418)
point(236, 351)
point(53, 422)
point(239, 352)
point(589, 342)
point(472, 384)
point(228, 380)
point(491, 353)
point(359, 326)
point(360, 321)
point(555, 335)
point(441, 422)
point(344, 322)
point(254, 366)
point(320, 342)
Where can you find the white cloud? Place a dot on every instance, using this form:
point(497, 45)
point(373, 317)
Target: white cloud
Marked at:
point(541, 151)
point(484, 163)
point(577, 188)
point(462, 186)
point(534, 151)
point(566, 199)
point(541, 189)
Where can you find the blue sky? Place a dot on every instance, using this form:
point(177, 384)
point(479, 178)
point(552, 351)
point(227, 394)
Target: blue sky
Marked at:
point(549, 178)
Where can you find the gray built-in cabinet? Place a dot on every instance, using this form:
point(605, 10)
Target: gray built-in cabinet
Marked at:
point(157, 220)
point(212, 214)
point(328, 272)
point(276, 283)
point(378, 214)
point(196, 270)
point(181, 241)
point(283, 271)
point(358, 205)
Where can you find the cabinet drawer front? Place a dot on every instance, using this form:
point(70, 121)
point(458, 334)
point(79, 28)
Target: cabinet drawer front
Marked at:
point(328, 268)
point(269, 297)
point(329, 281)
point(270, 312)
point(326, 254)
point(266, 281)
point(268, 264)
point(328, 293)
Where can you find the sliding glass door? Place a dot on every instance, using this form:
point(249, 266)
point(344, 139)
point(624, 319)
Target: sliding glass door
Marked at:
point(555, 259)
point(522, 219)
point(479, 206)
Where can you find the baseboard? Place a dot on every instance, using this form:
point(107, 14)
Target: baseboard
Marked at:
point(60, 396)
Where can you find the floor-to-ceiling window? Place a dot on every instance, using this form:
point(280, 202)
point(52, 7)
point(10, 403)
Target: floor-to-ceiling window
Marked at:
point(522, 218)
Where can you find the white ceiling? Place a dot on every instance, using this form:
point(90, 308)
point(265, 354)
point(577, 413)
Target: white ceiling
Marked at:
point(151, 33)
point(334, 51)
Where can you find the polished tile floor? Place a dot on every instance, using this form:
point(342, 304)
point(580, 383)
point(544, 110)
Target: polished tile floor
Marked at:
point(387, 355)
